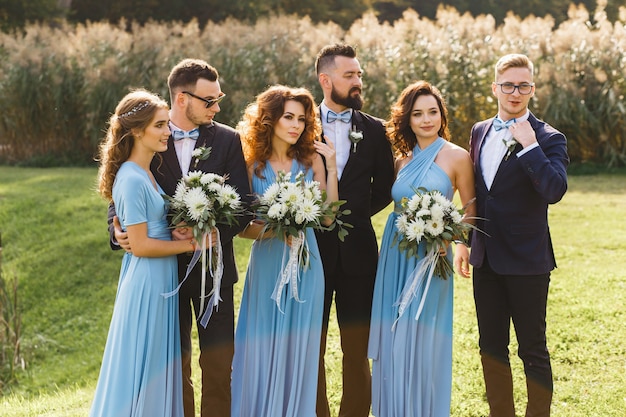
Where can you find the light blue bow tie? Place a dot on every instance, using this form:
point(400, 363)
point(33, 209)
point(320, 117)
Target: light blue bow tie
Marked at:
point(498, 124)
point(181, 134)
point(344, 116)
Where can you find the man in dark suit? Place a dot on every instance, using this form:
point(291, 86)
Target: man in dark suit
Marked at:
point(520, 165)
point(195, 94)
point(365, 171)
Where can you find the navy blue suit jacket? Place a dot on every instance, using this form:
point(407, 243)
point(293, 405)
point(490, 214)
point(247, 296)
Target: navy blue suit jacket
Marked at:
point(365, 185)
point(517, 236)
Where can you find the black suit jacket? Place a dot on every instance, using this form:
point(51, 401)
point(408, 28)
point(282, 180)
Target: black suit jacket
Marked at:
point(365, 184)
point(517, 239)
point(226, 159)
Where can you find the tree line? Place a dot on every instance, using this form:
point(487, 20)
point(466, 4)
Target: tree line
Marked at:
point(14, 14)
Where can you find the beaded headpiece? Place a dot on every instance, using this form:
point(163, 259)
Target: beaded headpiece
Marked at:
point(135, 109)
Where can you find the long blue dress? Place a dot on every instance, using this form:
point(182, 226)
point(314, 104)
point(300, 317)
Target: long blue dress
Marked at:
point(141, 372)
point(276, 353)
point(412, 364)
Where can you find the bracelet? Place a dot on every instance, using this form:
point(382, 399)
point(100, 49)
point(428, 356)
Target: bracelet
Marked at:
point(460, 242)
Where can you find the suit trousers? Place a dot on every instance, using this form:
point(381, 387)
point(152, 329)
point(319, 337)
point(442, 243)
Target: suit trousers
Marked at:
point(353, 303)
point(216, 348)
point(521, 299)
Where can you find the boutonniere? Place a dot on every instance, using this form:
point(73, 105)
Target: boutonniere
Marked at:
point(200, 154)
point(355, 137)
point(510, 145)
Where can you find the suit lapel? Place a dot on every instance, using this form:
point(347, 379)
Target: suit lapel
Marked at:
point(170, 160)
point(206, 139)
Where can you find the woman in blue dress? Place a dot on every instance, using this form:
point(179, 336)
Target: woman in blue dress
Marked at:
point(140, 375)
point(412, 358)
point(275, 365)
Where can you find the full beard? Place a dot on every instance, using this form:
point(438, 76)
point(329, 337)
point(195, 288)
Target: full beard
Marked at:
point(351, 101)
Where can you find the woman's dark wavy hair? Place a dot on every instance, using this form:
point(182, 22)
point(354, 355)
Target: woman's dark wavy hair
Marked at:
point(399, 131)
point(260, 117)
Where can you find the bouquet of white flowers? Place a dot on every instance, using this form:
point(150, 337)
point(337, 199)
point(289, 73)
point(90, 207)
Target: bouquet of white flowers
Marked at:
point(287, 208)
point(201, 202)
point(428, 216)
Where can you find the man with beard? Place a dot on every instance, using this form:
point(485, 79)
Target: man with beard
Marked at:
point(365, 171)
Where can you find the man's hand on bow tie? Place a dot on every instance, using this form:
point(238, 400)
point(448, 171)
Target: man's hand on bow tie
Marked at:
point(523, 133)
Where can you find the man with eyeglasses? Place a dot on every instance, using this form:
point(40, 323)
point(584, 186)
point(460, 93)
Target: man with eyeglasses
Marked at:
point(520, 168)
point(195, 94)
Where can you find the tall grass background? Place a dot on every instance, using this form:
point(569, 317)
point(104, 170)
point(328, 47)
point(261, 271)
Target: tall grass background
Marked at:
point(59, 84)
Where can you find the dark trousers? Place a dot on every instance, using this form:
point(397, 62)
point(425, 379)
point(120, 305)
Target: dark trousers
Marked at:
point(216, 349)
point(499, 300)
point(353, 303)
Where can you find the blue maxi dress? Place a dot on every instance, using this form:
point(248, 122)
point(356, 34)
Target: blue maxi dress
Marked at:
point(275, 365)
point(141, 374)
point(412, 364)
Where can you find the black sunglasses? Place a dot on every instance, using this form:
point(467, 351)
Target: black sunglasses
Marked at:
point(208, 102)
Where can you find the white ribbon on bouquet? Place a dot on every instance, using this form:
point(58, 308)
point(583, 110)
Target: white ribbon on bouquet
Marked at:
point(423, 271)
point(290, 272)
point(217, 271)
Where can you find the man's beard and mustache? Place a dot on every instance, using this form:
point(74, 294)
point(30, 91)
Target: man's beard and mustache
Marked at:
point(353, 102)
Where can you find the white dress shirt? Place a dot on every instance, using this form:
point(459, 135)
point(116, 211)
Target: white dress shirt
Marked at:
point(184, 149)
point(494, 149)
point(337, 132)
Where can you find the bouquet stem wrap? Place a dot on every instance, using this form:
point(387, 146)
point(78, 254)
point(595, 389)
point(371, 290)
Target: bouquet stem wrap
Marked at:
point(290, 272)
point(216, 266)
point(423, 272)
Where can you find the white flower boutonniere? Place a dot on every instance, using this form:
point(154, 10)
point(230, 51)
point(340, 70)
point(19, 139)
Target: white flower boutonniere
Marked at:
point(355, 137)
point(200, 154)
point(510, 145)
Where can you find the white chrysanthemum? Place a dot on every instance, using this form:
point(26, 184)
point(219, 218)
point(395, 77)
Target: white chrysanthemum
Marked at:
point(415, 230)
point(270, 195)
point(436, 211)
point(422, 213)
point(179, 196)
point(414, 203)
point(434, 227)
point(309, 210)
point(276, 211)
point(196, 203)
point(209, 178)
point(402, 223)
point(456, 216)
point(227, 196)
point(313, 187)
point(291, 196)
point(426, 200)
point(193, 176)
point(440, 199)
point(213, 187)
point(299, 217)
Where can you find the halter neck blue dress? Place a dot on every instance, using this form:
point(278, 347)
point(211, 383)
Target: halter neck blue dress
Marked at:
point(412, 363)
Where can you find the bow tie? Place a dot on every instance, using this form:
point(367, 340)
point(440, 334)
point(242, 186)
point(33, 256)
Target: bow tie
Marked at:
point(181, 134)
point(344, 116)
point(499, 124)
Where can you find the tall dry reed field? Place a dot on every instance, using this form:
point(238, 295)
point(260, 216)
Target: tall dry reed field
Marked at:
point(59, 85)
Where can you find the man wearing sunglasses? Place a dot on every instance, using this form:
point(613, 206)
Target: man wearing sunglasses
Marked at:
point(195, 95)
point(520, 167)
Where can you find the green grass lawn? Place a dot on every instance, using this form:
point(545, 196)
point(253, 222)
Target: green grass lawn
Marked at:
point(55, 241)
